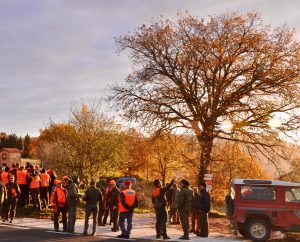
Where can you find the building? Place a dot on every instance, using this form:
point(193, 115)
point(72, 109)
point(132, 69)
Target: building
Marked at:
point(10, 155)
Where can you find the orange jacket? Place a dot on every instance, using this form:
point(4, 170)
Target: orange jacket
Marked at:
point(45, 180)
point(21, 177)
point(4, 177)
point(129, 199)
point(59, 198)
point(35, 182)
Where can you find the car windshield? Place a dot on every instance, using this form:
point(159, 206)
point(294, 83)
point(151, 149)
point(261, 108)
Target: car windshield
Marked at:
point(292, 195)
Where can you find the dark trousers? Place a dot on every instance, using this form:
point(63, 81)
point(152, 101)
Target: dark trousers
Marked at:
point(44, 196)
point(72, 218)
point(114, 216)
point(9, 209)
point(174, 215)
point(106, 213)
point(161, 220)
point(184, 219)
point(63, 211)
point(101, 212)
point(128, 216)
point(35, 194)
point(88, 210)
point(203, 223)
point(195, 219)
point(24, 198)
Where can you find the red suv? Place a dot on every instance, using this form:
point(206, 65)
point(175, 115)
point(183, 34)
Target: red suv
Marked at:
point(255, 207)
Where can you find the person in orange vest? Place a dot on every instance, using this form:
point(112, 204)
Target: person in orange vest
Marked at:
point(34, 187)
point(13, 193)
point(128, 201)
point(4, 175)
point(59, 205)
point(21, 180)
point(45, 181)
point(159, 203)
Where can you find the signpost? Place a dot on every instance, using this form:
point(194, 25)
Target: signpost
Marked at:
point(208, 178)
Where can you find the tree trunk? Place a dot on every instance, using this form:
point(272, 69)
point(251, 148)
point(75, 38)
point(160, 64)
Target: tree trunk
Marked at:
point(206, 145)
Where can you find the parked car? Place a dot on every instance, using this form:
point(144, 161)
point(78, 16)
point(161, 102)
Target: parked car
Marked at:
point(121, 180)
point(257, 207)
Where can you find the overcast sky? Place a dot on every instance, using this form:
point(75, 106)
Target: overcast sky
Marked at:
point(54, 52)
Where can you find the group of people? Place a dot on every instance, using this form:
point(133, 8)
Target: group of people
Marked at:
point(182, 203)
point(103, 198)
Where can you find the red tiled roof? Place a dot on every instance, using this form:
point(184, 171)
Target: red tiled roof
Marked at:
point(11, 150)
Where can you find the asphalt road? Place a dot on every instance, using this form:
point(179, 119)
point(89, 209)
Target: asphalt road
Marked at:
point(23, 234)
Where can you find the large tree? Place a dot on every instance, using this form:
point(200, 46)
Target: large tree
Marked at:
point(196, 73)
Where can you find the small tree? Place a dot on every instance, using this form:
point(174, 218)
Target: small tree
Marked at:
point(196, 74)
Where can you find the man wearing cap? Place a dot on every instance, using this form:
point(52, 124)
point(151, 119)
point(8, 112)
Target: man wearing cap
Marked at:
point(184, 206)
point(102, 185)
point(159, 203)
point(13, 193)
point(72, 201)
point(204, 209)
point(92, 196)
point(59, 205)
point(128, 201)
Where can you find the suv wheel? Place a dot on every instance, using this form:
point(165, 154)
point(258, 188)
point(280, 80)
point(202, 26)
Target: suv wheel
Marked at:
point(258, 230)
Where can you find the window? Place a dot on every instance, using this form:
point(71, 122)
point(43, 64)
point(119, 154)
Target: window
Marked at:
point(258, 193)
point(3, 156)
point(292, 195)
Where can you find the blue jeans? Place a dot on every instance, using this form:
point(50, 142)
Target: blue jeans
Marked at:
point(123, 216)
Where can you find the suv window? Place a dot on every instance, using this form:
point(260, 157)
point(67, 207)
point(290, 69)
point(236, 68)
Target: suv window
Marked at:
point(292, 195)
point(258, 193)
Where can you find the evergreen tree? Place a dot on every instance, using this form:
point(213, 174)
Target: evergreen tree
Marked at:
point(27, 147)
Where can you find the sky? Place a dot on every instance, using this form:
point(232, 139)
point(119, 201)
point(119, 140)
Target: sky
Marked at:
point(57, 52)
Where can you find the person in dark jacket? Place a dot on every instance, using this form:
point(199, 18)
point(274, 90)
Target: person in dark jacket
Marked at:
point(174, 217)
point(204, 209)
point(112, 194)
point(184, 206)
point(13, 193)
point(3, 195)
point(195, 211)
point(102, 185)
point(73, 199)
point(159, 203)
point(92, 196)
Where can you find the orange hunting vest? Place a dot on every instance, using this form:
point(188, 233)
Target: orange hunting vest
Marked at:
point(45, 180)
point(130, 196)
point(4, 177)
point(21, 177)
point(156, 192)
point(61, 196)
point(35, 183)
